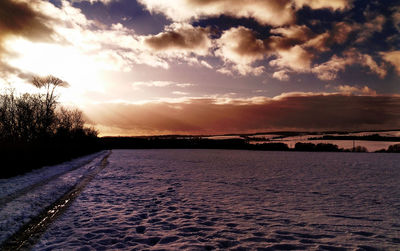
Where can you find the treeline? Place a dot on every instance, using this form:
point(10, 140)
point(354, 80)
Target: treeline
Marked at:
point(372, 137)
point(204, 143)
point(162, 142)
point(36, 131)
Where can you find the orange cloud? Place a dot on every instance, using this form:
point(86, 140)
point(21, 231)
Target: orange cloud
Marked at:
point(301, 111)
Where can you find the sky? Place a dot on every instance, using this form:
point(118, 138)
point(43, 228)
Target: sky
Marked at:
point(151, 67)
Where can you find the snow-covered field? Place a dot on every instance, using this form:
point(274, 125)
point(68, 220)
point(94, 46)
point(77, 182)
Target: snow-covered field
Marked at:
point(206, 199)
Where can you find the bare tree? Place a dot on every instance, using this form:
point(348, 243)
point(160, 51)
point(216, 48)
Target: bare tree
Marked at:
point(49, 83)
point(70, 119)
point(37, 117)
point(7, 115)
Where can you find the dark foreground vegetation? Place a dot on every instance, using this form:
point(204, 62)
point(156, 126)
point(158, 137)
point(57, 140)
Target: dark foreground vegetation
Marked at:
point(36, 131)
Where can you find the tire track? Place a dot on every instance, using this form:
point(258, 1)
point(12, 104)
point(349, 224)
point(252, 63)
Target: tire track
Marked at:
point(26, 237)
point(14, 195)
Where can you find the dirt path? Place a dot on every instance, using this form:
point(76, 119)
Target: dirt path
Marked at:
point(14, 195)
point(28, 234)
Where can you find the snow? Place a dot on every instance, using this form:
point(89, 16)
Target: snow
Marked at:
point(206, 199)
point(25, 196)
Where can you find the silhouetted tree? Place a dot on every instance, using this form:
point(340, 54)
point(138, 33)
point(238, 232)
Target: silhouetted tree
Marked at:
point(394, 148)
point(326, 147)
point(360, 149)
point(49, 84)
point(304, 147)
point(36, 131)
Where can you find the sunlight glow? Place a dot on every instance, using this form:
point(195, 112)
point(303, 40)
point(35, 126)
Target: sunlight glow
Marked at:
point(62, 61)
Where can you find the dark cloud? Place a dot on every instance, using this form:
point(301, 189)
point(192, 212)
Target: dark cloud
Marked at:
point(292, 112)
point(181, 38)
point(17, 18)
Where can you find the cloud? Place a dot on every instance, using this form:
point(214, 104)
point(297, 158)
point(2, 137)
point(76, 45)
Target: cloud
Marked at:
point(271, 12)
point(290, 48)
point(240, 47)
point(324, 4)
point(292, 111)
point(371, 26)
point(296, 58)
point(330, 69)
point(393, 57)
point(396, 17)
point(153, 84)
point(355, 90)
point(138, 84)
point(180, 93)
point(294, 34)
point(94, 1)
point(72, 37)
point(281, 75)
point(337, 35)
point(20, 19)
point(181, 38)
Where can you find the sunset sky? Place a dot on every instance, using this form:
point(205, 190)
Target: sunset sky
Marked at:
point(144, 67)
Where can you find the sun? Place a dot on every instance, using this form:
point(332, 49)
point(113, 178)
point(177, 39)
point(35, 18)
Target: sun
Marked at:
point(79, 69)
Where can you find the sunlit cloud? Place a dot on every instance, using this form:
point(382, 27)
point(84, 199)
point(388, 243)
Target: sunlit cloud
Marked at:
point(281, 75)
point(323, 4)
point(308, 111)
point(393, 57)
point(139, 84)
point(240, 47)
point(180, 93)
point(330, 69)
point(355, 90)
point(272, 12)
point(296, 58)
